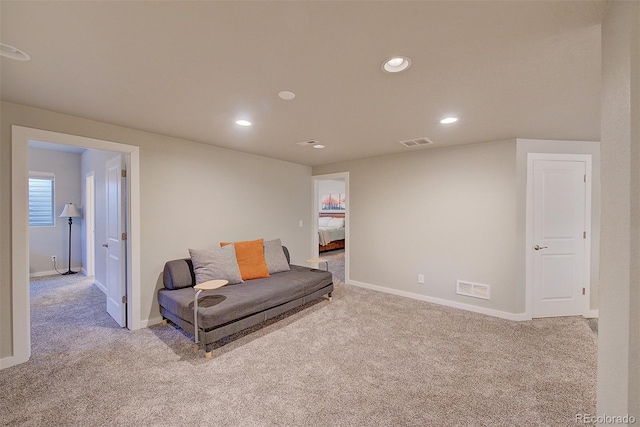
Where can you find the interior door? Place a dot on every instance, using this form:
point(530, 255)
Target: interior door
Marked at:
point(559, 233)
point(116, 241)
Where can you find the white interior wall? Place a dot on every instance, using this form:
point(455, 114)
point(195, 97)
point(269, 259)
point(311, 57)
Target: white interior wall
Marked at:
point(47, 241)
point(619, 325)
point(446, 213)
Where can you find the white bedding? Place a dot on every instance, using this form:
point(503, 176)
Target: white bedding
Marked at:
point(327, 235)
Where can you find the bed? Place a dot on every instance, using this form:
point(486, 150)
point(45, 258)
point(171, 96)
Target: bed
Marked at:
point(331, 231)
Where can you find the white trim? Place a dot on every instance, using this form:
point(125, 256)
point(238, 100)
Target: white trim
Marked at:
point(315, 251)
point(7, 362)
point(100, 286)
point(592, 314)
point(20, 137)
point(587, 159)
point(89, 242)
point(55, 273)
point(444, 302)
point(151, 322)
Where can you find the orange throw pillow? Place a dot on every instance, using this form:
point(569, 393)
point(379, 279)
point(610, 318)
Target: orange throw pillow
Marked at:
point(250, 257)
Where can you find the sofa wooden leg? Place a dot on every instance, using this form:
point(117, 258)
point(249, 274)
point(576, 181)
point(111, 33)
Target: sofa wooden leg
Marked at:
point(329, 297)
point(208, 355)
point(164, 322)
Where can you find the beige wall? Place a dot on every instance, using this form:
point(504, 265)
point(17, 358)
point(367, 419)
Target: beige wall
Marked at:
point(619, 328)
point(192, 196)
point(446, 213)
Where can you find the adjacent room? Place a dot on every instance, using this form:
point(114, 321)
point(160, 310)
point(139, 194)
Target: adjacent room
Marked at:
point(319, 213)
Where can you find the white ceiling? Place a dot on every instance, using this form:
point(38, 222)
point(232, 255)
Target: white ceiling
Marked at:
point(190, 69)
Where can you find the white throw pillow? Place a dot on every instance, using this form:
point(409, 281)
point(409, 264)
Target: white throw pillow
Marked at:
point(324, 221)
point(336, 222)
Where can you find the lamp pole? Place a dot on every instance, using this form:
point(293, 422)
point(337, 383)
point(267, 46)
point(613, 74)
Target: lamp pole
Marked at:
point(70, 211)
point(69, 270)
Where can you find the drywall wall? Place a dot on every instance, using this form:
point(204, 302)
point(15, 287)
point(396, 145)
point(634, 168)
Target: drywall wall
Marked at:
point(47, 241)
point(619, 325)
point(331, 186)
point(447, 213)
point(192, 196)
point(93, 161)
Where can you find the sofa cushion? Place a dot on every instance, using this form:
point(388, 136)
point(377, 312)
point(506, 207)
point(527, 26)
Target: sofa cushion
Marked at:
point(250, 257)
point(274, 256)
point(216, 263)
point(221, 306)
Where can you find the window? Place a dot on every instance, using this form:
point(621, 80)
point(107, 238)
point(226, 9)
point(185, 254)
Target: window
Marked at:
point(41, 201)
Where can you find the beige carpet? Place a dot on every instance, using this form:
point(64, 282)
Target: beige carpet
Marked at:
point(365, 359)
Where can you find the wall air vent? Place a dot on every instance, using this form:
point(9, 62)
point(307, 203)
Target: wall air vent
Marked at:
point(419, 142)
point(310, 143)
point(471, 289)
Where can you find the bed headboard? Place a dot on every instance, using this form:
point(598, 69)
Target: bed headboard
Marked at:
point(331, 214)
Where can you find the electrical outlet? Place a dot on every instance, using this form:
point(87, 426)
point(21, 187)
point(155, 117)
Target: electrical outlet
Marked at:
point(420, 278)
point(53, 258)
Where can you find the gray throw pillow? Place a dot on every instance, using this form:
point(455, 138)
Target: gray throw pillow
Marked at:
point(217, 263)
point(274, 256)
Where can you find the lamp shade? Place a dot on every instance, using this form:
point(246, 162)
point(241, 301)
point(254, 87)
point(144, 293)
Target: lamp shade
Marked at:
point(70, 211)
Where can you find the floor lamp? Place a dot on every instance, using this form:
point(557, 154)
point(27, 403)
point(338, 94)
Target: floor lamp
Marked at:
point(70, 211)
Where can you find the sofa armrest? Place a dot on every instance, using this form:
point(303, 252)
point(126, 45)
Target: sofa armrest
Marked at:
point(179, 274)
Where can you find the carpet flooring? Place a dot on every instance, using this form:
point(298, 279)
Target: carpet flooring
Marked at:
point(365, 359)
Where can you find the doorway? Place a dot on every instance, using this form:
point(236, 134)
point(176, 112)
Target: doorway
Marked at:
point(21, 136)
point(331, 203)
point(558, 234)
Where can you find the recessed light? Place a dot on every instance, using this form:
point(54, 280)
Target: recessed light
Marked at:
point(243, 122)
point(287, 95)
point(396, 64)
point(448, 120)
point(318, 146)
point(13, 53)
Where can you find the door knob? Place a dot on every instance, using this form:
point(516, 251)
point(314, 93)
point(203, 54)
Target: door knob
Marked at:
point(537, 248)
point(105, 245)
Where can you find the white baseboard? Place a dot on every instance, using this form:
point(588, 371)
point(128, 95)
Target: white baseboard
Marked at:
point(151, 322)
point(100, 286)
point(52, 272)
point(7, 362)
point(447, 303)
point(592, 314)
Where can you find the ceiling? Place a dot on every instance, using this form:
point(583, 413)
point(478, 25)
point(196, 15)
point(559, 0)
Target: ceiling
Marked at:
point(190, 69)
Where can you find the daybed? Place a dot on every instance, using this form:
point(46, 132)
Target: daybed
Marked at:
point(234, 307)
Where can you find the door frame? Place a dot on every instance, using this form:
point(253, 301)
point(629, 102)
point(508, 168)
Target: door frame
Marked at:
point(21, 310)
point(529, 288)
point(89, 223)
point(315, 251)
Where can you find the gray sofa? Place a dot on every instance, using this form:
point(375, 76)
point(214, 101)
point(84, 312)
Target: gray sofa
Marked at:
point(232, 308)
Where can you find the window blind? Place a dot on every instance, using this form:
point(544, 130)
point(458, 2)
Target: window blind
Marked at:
point(41, 199)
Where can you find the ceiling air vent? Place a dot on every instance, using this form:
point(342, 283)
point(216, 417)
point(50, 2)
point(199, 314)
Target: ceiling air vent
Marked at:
point(419, 142)
point(311, 142)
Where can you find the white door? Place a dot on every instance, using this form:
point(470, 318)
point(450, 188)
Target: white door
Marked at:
point(116, 242)
point(559, 237)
